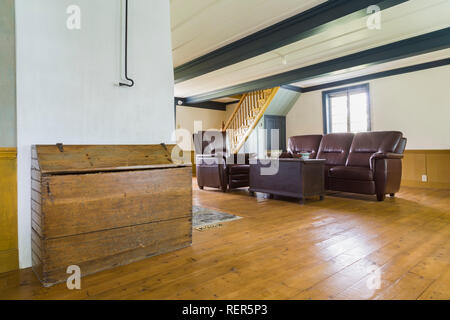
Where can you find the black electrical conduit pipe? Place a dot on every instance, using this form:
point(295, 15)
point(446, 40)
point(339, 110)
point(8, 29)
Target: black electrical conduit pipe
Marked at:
point(122, 84)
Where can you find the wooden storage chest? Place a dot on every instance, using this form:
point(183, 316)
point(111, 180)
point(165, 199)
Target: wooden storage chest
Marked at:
point(298, 178)
point(102, 206)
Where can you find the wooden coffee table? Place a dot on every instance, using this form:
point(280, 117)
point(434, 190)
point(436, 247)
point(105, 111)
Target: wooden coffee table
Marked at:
point(297, 178)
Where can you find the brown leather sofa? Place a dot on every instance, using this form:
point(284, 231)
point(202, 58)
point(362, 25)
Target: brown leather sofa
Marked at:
point(366, 162)
point(334, 149)
point(216, 168)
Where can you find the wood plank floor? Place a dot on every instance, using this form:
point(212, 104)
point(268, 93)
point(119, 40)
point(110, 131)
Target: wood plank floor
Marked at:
point(329, 249)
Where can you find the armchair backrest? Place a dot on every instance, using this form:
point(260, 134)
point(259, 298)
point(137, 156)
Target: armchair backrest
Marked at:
point(365, 144)
point(307, 143)
point(210, 142)
point(401, 146)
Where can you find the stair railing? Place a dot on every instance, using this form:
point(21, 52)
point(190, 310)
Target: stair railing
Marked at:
point(245, 117)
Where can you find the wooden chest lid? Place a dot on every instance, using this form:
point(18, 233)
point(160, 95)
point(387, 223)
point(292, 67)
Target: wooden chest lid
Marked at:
point(60, 159)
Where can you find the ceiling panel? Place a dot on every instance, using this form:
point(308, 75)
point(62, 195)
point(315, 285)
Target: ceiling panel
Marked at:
point(406, 20)
point(201, 26)
point(365, 70)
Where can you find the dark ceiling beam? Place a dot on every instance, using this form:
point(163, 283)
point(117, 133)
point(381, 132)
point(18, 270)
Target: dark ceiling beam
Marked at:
point(321, 18)
point(292, 88)
point(425, 43)
point(382, 74)
point(212, 105)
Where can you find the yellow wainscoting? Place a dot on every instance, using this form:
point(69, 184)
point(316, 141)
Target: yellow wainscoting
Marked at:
point(432, 163)
point(194, 167)
point(8, 210)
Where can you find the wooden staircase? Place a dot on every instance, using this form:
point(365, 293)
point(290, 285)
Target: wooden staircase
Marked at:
point(245, 117)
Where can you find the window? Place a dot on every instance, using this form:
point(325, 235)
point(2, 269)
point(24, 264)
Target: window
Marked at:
point(346, 109)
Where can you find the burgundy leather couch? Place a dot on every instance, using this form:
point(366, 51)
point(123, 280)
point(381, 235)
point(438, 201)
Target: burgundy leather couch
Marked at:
point(366, 162)
point(216, 168)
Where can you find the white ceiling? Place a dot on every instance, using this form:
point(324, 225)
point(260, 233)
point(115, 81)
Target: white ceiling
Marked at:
point(365, 70)
point(201, 26)
point(403, 21)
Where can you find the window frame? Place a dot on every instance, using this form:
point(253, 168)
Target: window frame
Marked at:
point(326, 113)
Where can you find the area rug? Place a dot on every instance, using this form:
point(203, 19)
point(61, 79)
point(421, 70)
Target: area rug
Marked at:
point(205, 218)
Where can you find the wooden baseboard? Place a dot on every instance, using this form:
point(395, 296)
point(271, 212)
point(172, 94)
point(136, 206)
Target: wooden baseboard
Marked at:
point(429, 185)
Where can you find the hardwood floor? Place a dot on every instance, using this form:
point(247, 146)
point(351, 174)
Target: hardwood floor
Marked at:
point(281, 249)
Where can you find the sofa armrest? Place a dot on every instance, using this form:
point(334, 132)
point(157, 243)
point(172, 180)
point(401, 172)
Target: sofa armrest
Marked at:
point(387, 155)
point(383, 155)
point(388, 175)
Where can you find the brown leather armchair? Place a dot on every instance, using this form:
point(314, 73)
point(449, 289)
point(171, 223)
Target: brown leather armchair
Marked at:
point(216, 168)
point(303, 144)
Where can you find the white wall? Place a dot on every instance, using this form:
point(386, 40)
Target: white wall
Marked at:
point(417, 103)
point(186, 118)
point(7, 75)
point(230, 110)
point(211, 119)
point(305, 116)
point(67, 82)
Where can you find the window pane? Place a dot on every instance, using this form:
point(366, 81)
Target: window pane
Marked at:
point(338, 109)
point(347, 109)
point(358, 112)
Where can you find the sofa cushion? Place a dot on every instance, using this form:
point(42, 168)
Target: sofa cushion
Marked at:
point(307, 143)
point(351, 173)
point(334, 148)
point(367, 143)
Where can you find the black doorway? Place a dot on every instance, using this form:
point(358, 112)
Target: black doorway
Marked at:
point(275, 122)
